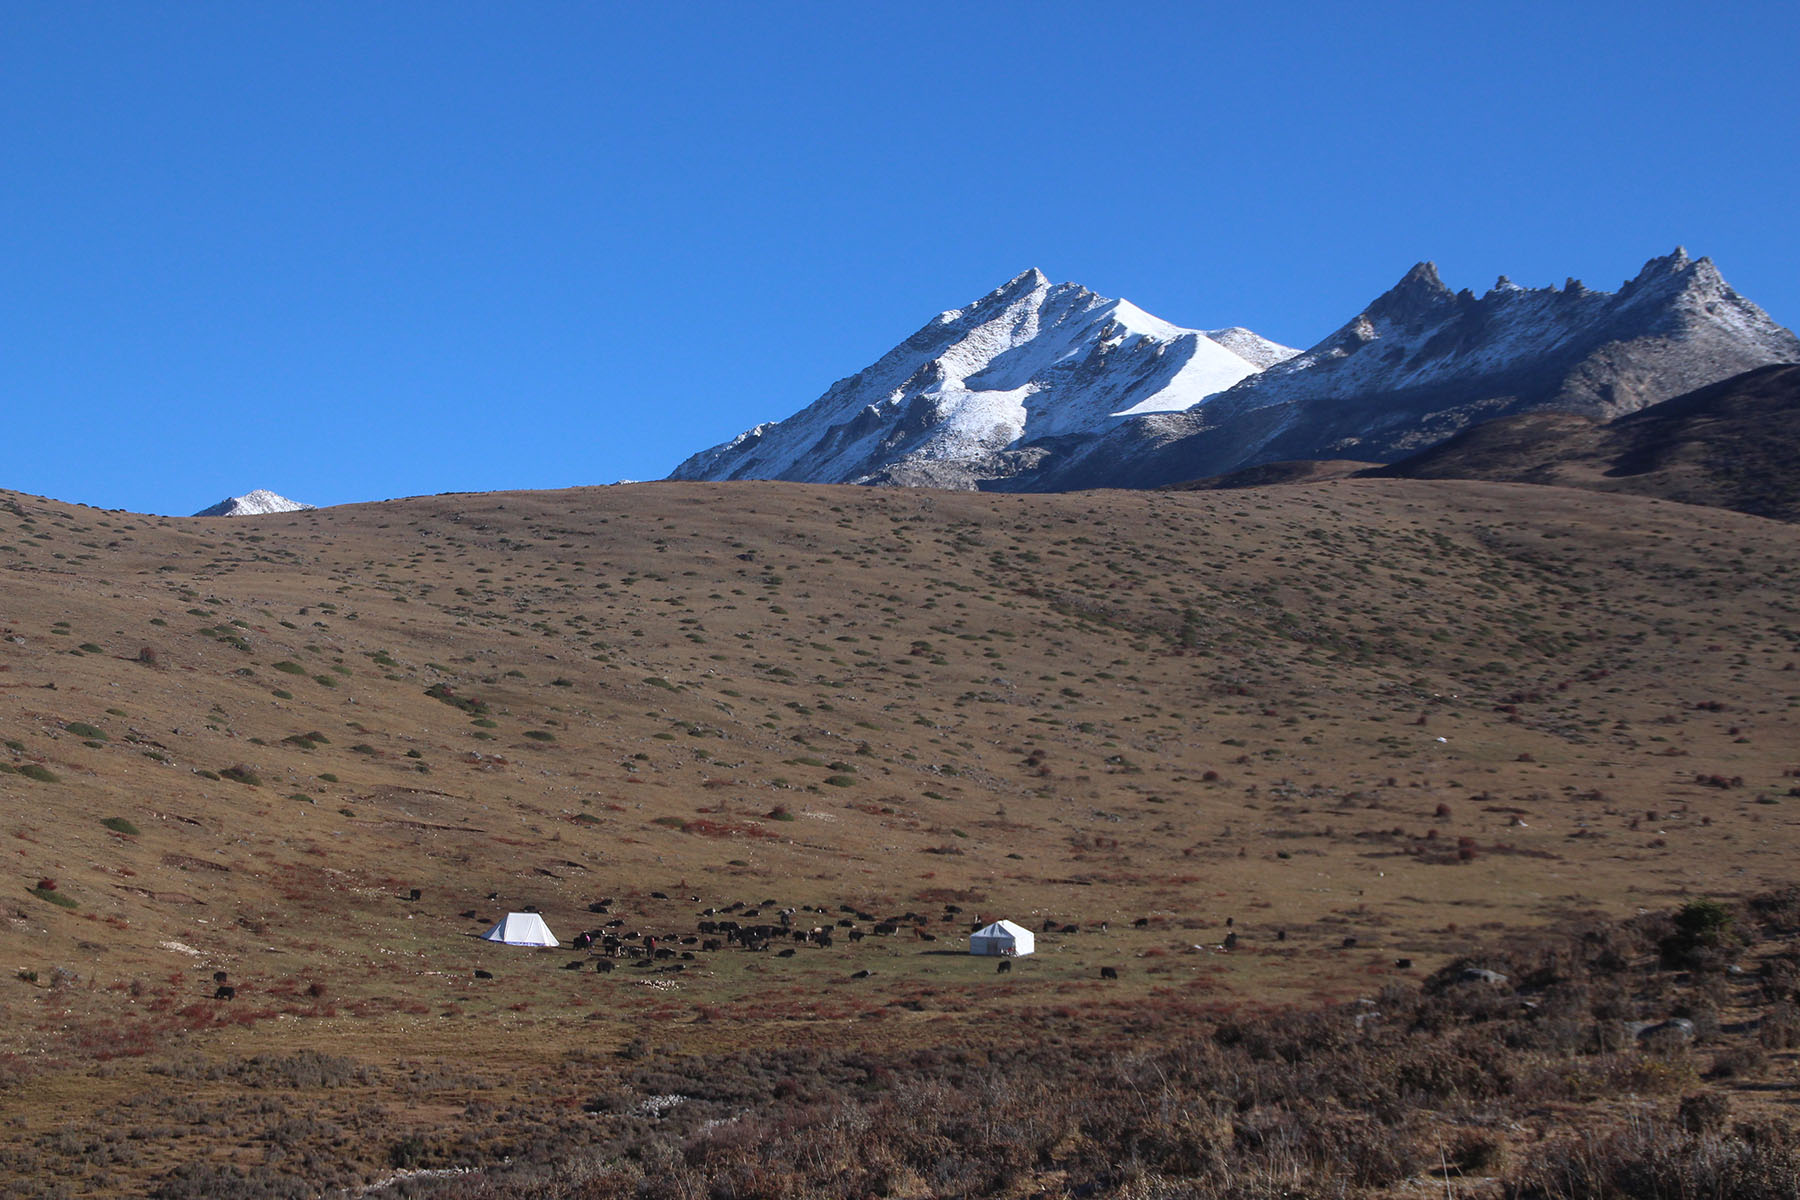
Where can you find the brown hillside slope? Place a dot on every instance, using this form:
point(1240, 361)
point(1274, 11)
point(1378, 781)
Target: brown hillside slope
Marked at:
point(1351, 718)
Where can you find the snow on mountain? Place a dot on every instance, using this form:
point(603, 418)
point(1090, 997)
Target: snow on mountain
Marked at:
point(252, 504)
point(1421, 363)
point(1036, 387)
point(1029, 362)
point(1420, 334)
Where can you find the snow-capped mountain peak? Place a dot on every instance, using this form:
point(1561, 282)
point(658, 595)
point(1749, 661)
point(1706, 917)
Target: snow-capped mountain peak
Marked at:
point(253, 504)
point(1029, 361)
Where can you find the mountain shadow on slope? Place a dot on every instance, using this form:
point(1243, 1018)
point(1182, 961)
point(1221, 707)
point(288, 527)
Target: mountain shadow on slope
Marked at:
point(1733, 444)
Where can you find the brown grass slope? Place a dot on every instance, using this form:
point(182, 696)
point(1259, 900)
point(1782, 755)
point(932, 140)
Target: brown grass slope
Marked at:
point(1342, 723)
point(1734, 444)
point(1275, 474)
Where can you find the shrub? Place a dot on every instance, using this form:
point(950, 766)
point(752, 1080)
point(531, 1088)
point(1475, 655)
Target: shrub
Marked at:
point(121, 825)
point(53, 896)
point(540, 735)
point(39, 772)
point(442, 692)
point(82, 729)
point(241, 774)
point(1703, 929)
point(289, 668)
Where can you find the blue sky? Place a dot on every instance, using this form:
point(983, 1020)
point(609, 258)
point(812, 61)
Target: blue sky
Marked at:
point(354, 251)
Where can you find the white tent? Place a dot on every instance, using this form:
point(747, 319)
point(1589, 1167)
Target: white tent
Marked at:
point(1002, 937)
point(522, 929)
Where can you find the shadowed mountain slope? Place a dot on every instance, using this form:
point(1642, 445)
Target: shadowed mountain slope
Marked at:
point(1734, 444)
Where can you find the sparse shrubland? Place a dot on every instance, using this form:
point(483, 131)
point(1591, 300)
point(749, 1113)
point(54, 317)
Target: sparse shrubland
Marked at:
point(1241, 759)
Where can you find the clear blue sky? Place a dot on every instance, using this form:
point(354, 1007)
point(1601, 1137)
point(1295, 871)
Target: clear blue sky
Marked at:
point(349, 251)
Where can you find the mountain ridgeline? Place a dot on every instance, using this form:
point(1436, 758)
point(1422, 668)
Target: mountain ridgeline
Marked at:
point(1042, 387)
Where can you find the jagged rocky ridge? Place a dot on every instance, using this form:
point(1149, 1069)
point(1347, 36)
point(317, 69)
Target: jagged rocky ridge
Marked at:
point(1048, 388)
point(253, 504)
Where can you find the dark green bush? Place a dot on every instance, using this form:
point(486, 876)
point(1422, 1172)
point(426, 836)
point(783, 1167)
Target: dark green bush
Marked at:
point(53, 896)
point(443, 692)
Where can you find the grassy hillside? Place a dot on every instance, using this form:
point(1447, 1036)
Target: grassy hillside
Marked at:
point(1334, 726)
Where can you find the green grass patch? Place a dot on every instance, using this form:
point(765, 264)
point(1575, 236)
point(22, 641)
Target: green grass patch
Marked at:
point(39, 772)
point(82, 729)
point(121, 825)
point(289, 668)
point(54, 897)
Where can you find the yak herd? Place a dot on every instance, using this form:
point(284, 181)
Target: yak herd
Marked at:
point(765, 927)
point(751, 927)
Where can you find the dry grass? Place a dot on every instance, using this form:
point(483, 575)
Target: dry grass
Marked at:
point(1346, 723)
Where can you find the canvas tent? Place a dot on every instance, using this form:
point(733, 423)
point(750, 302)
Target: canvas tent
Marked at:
point(1002, 937)
point(522, 929)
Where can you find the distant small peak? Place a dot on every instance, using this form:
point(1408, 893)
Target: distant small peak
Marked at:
point(1574, 287)
point(1505, 284)
point(260, 502)
point(1028, 280)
